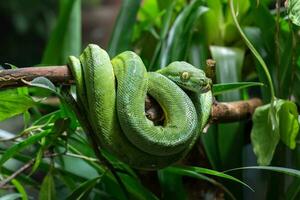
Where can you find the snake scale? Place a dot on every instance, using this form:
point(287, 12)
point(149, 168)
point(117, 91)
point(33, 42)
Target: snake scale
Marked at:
point(112, 93)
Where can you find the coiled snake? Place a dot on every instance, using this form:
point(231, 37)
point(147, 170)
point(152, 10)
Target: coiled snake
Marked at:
point(113, 93)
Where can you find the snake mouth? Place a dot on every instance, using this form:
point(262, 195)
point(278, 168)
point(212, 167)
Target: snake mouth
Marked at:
point(206, 88)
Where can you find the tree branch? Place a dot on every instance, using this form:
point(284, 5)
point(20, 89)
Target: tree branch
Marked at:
point(221, 112)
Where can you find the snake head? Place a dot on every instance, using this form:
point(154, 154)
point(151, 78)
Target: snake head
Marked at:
point(187, 76)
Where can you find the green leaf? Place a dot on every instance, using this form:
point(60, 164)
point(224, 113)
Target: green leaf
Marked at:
point(194, 174)
point(257, 38)
point(265, 135)
point(181, 32)
point(283, 170)
point(229, 68)
point(200, 170)
point(12, 196)
point(288, 122)
point(42, 82)
point(65, 39)
point(83, 189)
point(228, 137)
point(123, 30)
point(166, 21)
point(136, 189)
point(214, 22)
point(60, 125)
point(171, 185)
point(294, 11)
point(20, 189)
point(255, 53)
point(16, 148)
point(226, 87)
point(12, 103)
point(47, 191)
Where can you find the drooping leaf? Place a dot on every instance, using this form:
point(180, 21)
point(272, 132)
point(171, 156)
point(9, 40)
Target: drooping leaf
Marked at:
point(226, 87)
point(47, 191)
point(123, 30)
point(265, 136)
point(83, 190)
point(65, 39)
point(200, 170)
point(283, 170)
point(16, 148)
point(12, 103)
point(200, 176)
point(20, 189)
point(255, 53)
point(256, 37)
point(294, 11)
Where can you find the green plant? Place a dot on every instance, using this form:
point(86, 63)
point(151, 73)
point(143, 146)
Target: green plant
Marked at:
point(253, 43)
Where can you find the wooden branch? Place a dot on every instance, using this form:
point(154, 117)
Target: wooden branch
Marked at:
point(14, 77)
point(221, 112)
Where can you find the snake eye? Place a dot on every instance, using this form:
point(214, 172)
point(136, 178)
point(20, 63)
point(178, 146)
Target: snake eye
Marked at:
point(185, 76)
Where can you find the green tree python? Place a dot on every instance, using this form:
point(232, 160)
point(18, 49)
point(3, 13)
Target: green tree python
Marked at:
point(112, 93)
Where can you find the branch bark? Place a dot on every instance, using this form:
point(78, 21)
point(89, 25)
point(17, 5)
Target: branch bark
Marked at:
point(222, 112)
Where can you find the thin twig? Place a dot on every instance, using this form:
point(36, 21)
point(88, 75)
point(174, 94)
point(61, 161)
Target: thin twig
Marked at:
point(16, 173)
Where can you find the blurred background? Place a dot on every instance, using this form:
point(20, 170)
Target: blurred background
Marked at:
point(26, 27)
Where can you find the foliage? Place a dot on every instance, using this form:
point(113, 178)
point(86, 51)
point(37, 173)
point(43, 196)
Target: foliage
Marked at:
point(256, 48)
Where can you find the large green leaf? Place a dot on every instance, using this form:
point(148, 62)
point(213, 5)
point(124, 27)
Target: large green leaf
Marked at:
point(65, 39)
point(265, 136)
point(294, 11)
point(13, 103)
point(122, 34)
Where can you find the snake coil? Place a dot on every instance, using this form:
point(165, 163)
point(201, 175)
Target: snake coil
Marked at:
point(112, 93)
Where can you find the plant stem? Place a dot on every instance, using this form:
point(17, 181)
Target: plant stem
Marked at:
point(254, 51)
